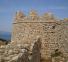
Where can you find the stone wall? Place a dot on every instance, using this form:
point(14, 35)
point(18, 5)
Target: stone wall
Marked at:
point(54, 34)
point(36, 48)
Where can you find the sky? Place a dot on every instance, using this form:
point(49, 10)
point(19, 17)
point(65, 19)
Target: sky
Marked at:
point(8, 9)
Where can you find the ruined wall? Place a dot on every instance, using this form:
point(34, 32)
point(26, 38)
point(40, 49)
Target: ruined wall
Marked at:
point(54, 34)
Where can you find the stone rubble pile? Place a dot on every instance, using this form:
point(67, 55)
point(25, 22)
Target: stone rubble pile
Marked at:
point(12, 53)
point(20, 53)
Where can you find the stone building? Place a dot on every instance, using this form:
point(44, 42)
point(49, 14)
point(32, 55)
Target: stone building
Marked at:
point(54, 34)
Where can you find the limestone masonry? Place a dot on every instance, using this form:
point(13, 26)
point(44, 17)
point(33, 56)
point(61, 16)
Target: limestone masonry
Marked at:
point(53, 32)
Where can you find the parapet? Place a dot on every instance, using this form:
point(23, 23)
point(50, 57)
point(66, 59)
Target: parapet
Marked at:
point(33, 17)
point(48, 15)
point(19, 15)
point(33, 14)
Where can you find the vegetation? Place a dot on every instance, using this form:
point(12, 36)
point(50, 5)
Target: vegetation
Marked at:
point(56, 53)
point(3, 42)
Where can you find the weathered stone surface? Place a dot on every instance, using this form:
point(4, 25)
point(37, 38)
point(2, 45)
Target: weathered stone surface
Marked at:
point(33, 15)
point(21, 57)
point(19, 15)
point(20, 53)
point(11, 53)
point(49, 16)
point(36, 54)
point(54, 34)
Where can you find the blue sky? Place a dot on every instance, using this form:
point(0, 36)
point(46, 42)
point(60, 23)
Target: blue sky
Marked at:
point(8, 9)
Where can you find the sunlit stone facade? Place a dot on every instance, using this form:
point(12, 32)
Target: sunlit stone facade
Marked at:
point(54, 34)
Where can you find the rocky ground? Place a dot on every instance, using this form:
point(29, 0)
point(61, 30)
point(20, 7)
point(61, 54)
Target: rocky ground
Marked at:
point(12, 53)
point(20, 53)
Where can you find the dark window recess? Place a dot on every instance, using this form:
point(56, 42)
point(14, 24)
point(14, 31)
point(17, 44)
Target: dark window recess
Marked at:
point(53, 27)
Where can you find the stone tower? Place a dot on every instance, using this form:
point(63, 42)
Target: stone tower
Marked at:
point(54, 34)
